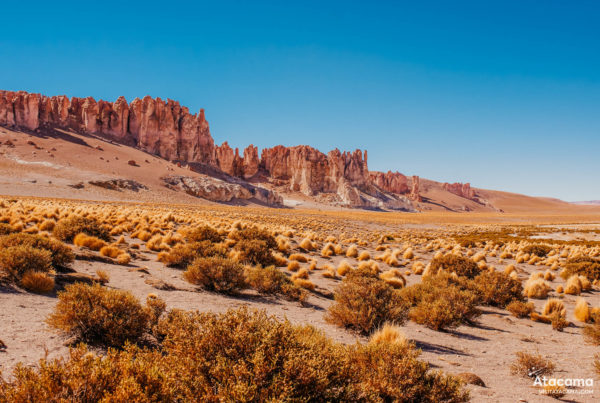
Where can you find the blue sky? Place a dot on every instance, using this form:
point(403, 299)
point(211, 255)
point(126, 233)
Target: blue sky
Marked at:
point(502, 94)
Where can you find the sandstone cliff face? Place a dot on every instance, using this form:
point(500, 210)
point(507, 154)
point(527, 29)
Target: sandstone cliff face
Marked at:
point(414, 190)
point(460, 189)
point(230, 162)
point(393, 182)
point(163, 128)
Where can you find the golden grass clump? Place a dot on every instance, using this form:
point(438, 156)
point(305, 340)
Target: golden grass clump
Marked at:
point(271, 281)
point(462, 266)
point(302, 273)
point(536, 288)
point(67, 228)
point(352, 251)
point(298, 257)
point(408, 254)
point(520, 309)
point(389, 334)
point(110, 251)
point(307, 245)
point(582, 311)
point(554, 306)
point(364, 255)
point(293, 265)
point(573, 285)
point(37, 282)
point(102, 276)
point(306, 284)
point(328, 250)
point(394, 278)
point(90, 242)
point(344, 267)
point(123, 259)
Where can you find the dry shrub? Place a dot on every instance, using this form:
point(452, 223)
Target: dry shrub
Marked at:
point(364, 255)
point(582, 310)
point(585, 266)
point(302, 273)
point(204, 233)
point(344, 267)
point(304, 283)
point(98, 315)
point(216, 274)
point(46, 225)
point(394, 278)
point(462, 266)
point(529, 365)
point(298, 257)
point(389, 334)
point(573, 285)
point(237, 356)
point(537, 250)
point(408, 254)
point(554, 306)
point(591, 333)
point(90, 242)
point(37, 282)
point(255, 252)
point(328, 250)
point(352, 251)
point(364, 302)
point(271, 281)
point(6, 229)
point(306, 244)
point(254, 234)
point(536, 288)
point(61, 254)
point(124, 259)
point(293, 265)
point(440, 302)
point(66, 228)
point(520, 309)
point(181, 255)
point(15, 261)
point(110, 251)
point(102, 276)
point(497, 289)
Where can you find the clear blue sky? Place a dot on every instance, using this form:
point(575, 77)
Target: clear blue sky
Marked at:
point(503, 94)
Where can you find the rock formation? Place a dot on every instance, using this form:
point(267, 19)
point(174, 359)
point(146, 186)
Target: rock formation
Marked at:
point(460, 189)
point(393, 182)
point(163, 128)
point(168, 130)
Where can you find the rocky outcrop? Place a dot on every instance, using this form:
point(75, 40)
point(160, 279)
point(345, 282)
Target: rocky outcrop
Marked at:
point(414, 189)
point(393, 182)
point(163, 128)
point(460, 189)
point(221, 191)
point(230, 162)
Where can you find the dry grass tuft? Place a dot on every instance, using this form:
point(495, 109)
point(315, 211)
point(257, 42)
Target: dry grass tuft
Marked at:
point(37, 282)
point(528, 365)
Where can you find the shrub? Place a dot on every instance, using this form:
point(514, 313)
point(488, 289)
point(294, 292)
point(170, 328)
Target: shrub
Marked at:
point(204, 233)
point(254, 251)
point(87, 241)
point(216, 274)
point(37, 282)
point(497, 289)
point(440, 302)
point(97, 315)
point(66, 228)
point(591, 333)
point(530, 365)
point(352, 251)
point(298, 257)
point(110, 251)
point(520, 309)
point(460, 265)
point(272, 281)
point(573, 285)
point(537, 250)
point(364, 302)
point(582, 311)
point(240, 355)
point(585, 266)
point(536, 288)
point(15, 261)
point(183, 254)
point(255, 234)
point(6, 229)
point(60, 253)
point(304, 283)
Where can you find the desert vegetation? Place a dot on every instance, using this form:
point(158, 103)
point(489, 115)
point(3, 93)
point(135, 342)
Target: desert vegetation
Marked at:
point(363, 280)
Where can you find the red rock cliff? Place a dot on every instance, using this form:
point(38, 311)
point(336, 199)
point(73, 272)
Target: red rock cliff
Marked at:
point(460, 189)
point(159, 127)
point(390, 181)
